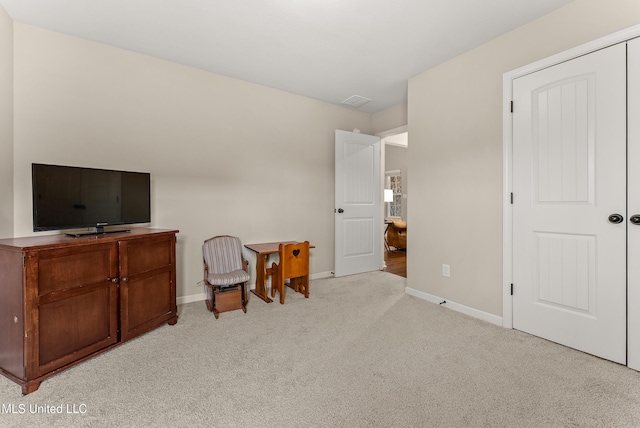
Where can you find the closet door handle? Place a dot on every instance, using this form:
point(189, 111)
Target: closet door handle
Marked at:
point(634, 219)
point(615, 218)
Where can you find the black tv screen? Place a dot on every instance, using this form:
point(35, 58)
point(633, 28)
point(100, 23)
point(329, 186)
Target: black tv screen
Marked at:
point(67, 197)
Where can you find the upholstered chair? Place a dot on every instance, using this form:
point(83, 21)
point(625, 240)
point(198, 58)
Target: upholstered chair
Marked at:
point(225, 274)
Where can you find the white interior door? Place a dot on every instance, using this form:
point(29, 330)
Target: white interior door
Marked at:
point(633, 204)
point(358, 212)
point(569, 177)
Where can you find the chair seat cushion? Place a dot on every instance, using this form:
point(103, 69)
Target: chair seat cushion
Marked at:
point(231, 278)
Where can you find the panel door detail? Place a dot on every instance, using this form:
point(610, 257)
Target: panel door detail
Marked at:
point(358, 218)
point(569, 163)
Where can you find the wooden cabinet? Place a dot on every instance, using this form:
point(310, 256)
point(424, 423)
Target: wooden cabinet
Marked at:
point(64, 299)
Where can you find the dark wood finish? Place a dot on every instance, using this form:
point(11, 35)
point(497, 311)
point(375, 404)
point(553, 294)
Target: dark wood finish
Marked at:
point(73, 286)
point(146, 267)
point(228, 300)
point(396, 262)
point(12, 323)
point(63, 299)
point(262, 253)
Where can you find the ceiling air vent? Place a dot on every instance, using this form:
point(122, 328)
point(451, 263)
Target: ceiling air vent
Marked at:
point(356, 101)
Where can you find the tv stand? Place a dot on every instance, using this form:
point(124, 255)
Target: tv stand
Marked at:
point(64, 300)
point(97, 231)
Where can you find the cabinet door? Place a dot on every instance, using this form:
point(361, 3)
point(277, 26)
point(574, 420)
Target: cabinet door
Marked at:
point(147, 284)
point(77, 304)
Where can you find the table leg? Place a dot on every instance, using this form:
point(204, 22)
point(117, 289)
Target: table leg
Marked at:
point(261, 271)
point(386, 244)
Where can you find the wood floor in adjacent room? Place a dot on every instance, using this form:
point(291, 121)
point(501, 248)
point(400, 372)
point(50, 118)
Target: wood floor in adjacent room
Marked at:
point(396, 262)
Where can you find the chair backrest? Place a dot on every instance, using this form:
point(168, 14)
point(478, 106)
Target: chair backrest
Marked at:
point(222, 254)
point(294, 260)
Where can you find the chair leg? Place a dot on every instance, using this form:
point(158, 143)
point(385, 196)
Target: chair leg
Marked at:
point(280, 284)
point(277, 282)
point(295, 284)
point(274, 279)
point(244, 297)
point(305, 284)
point(213, 303)
point(300, 285)
point(211, 300)
point(281, 288)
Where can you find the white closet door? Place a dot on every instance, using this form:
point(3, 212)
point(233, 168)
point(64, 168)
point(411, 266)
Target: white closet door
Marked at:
point(569, 177)
point(633, 246)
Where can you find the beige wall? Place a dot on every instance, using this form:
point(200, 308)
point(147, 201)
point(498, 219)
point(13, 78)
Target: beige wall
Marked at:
point(390, 118)
point(225, 156)
point(455, 151)
point(6, 125)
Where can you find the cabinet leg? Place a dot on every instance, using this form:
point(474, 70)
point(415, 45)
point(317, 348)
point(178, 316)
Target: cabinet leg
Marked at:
point(29, 387)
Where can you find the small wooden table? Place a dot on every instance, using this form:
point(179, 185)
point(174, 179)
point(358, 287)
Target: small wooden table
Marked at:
point(262, 252)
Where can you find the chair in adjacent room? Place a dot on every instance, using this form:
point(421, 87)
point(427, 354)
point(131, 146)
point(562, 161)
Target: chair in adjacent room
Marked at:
point(225, 274)
point(397, 234)
point(293, 266)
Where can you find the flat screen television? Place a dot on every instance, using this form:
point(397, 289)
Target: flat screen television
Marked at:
point(68, 197)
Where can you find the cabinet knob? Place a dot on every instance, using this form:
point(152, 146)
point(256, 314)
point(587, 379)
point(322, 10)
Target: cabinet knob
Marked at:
point(125, 279)
point(114, 280)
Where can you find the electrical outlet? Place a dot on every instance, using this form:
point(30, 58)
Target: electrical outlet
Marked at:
point(446, 270)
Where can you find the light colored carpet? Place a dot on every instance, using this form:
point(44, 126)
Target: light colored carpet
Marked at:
point(358, 353)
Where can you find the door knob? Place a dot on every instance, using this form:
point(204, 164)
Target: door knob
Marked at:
point(634, 219)
point(616, 218)
point(340, 210)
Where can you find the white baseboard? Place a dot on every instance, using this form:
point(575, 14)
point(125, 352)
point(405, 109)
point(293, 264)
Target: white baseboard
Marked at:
point(485, 316)
point(321, 275)
point(202, 296)
point(182, 300)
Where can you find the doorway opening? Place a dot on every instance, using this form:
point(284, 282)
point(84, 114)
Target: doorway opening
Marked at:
point(395, 185)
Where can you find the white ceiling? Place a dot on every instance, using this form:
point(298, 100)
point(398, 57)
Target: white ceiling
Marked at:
point(329, 50)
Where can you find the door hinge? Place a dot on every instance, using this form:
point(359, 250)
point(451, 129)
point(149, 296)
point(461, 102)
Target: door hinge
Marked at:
point(512, 289)
point(24, 261)
point(511, 106)
point(511, 198)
